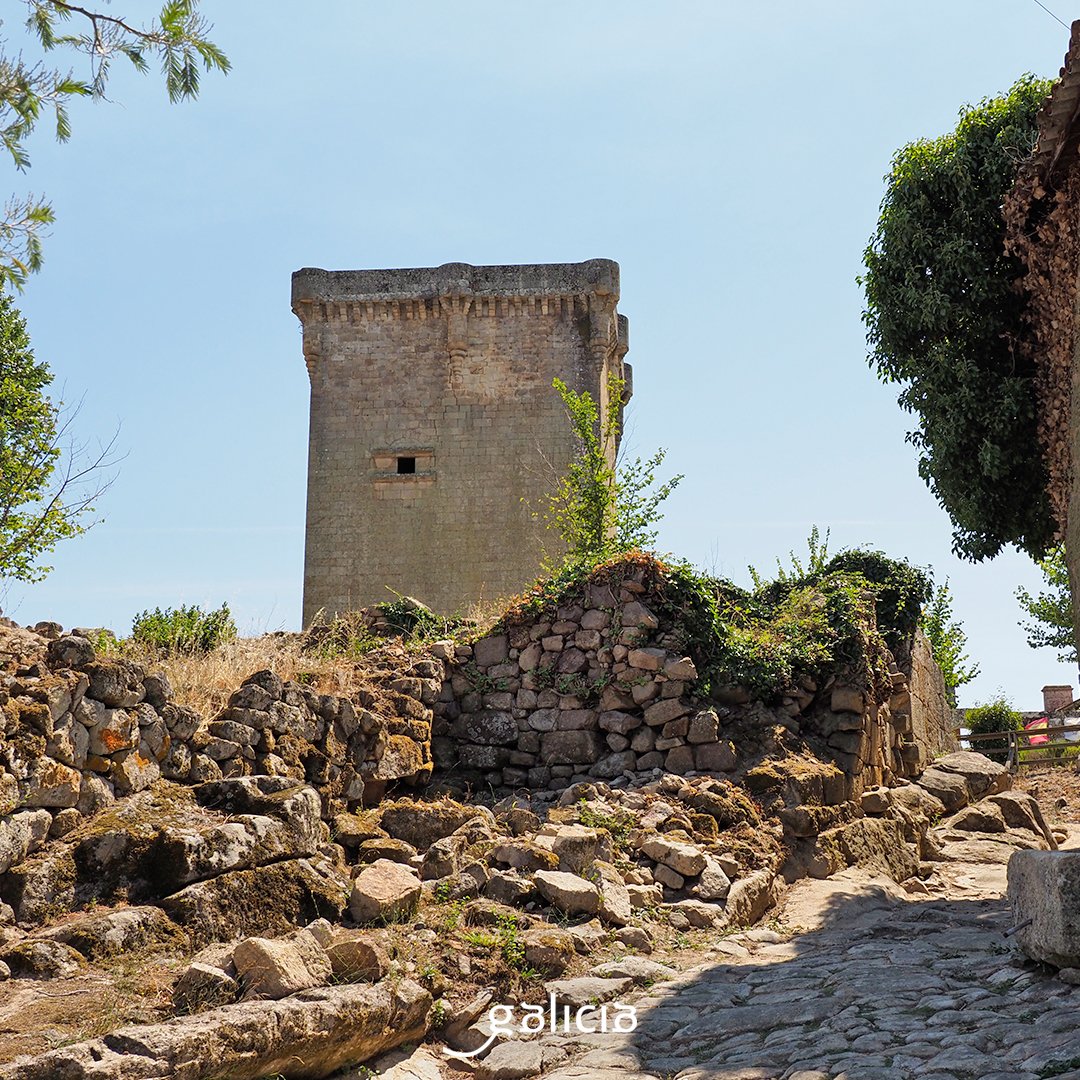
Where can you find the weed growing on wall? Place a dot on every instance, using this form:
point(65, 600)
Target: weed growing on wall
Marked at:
point(602, 507)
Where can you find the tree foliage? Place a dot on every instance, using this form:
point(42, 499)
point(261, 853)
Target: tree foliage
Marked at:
point(947, 642)
point(944, 321)
point(601, 507)
point(30, 88)
point(994, 716)
point(1051, 611)
point(47, 485)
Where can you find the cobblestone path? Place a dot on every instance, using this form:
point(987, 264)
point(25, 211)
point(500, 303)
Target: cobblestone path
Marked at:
point(879, 985)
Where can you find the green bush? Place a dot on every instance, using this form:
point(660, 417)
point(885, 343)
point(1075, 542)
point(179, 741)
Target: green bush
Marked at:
point(184, 629)
point(994, 716)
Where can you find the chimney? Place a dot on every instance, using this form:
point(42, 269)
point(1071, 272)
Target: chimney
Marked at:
point(1056, 697)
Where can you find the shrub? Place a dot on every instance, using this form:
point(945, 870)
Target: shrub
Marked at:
point(187, 630)
point(994, 716)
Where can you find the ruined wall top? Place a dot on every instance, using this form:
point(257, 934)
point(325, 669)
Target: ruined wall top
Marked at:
point(596, 276)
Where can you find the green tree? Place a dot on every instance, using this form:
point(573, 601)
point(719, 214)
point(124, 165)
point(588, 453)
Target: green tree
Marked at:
point(176, 38)
point(994, 716)
point(1051, 611)
point(944, 321)
point(601, 506)
point(947, 642)
point(47, 485)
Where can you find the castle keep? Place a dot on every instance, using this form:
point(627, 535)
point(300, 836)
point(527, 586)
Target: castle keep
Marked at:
point(435, 430)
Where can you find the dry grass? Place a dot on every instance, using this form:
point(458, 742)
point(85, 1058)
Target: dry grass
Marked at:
point(204, 682)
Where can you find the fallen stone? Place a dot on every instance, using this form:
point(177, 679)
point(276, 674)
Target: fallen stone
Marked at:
point(42, 959)
point(750, 897)
point(635, 937)
point(355, 959)
point(384, 892)
point(713, 884)
point(203, 986)
point(577, 847)
point(274, 968)
point(588, 937)
point(636, 968)
point(698, 914)
point(511, 1061)
point(588, 990)
point(548, 949)
point(684, 859)
point(571, 894)
point(112, 932)
point(266, 900)
point(305, 1037)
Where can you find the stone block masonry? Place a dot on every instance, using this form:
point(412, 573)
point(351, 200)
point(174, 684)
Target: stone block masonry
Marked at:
point(435, 430)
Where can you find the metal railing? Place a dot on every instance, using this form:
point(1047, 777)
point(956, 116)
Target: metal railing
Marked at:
point(1059, 749)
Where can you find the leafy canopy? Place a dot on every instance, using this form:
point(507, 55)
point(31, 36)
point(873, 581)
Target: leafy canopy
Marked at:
point(601, 507)
point(944, 321)
point(1051, 610)
point(47, 487)
point(29, 88)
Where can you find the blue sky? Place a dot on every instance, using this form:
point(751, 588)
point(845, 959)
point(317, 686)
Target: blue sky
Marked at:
point(728, 156)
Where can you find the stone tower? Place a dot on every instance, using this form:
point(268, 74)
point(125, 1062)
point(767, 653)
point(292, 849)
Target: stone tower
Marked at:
point(434, 425)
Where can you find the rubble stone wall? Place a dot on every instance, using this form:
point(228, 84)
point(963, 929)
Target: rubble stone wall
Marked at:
point(79, 731)
point(603, 690)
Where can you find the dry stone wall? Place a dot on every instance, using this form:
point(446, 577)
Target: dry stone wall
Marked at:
point(602, 689)
point(80, 730)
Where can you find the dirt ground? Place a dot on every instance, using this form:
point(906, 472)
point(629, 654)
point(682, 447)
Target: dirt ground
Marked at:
point(1057, 788)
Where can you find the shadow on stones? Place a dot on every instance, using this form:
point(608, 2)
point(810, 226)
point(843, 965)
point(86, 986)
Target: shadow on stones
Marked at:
point(880, 988)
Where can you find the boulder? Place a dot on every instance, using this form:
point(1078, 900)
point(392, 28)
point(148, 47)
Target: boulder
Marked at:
point(511, 1061)
point(949, 788)
point(577, 847)
point(615, 907)
point(750, 897)
point(268, 899)
point(588, 990)
point(203, 986)
point(274, 968)
point(548, 949)
point(422, 823)
point(569, 893)
point(305, 1037)
point(640, 971)
point(1044, 886)
point(357, 959)
point(384, 892)
point(109, 933)
point(685, 859)
point(42, 959)
point(981, 775)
